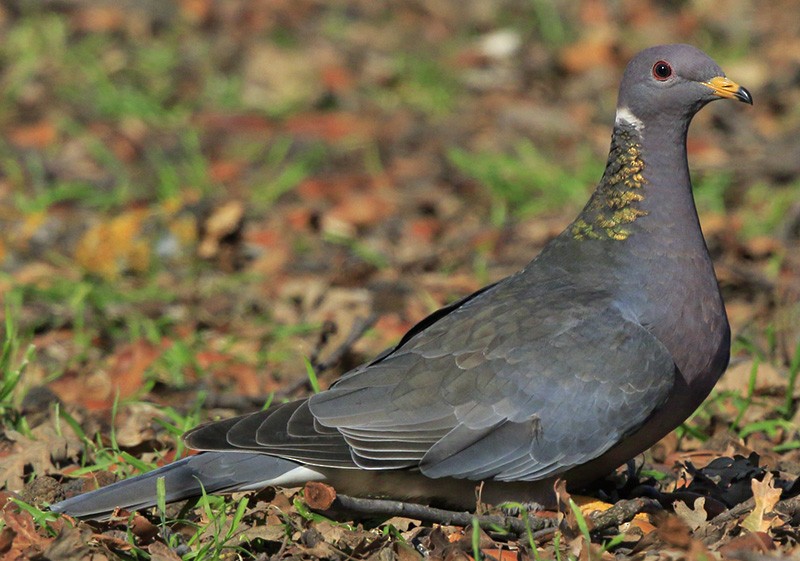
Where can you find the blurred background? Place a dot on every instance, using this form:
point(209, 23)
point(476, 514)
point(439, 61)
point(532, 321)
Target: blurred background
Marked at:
point(204, 199)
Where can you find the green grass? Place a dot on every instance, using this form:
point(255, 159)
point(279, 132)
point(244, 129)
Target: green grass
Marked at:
point(421, 83)
point(285, 168)
point(527, 182)
point(765, 207)
point(778, 425)
point(550, 25)
point(13, 363)
point(710, 192)
point(158, 84)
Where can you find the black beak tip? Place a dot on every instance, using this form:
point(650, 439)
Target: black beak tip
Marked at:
point(743, 95)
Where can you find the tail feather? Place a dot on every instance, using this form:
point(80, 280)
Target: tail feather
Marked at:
point(212, 472)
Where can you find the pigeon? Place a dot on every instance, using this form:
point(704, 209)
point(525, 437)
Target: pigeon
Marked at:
point(604, 343)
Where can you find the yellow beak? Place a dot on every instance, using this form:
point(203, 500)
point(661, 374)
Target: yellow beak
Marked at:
point(727, 88)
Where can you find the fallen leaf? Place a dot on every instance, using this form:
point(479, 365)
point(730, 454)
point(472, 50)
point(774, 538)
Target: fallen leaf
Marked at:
point(26, 542)
point(673, 531)
point(70, 543)
point(277, 78)
point(135, 424)
point(161, 552)
point(34, 135)
point(694, 517)
point(331, 126)
point(127, 367)
point(224, 221)
point(274, 532)
point(196, 11)
point(737, 377)
point(595, 51)
point(224, 171)
point(766, 497)
point(751, 541)
point(360, 210)
point(112, 247)
point(36, 453)
point(98, 19)
point(406, 552)
point(500, 554)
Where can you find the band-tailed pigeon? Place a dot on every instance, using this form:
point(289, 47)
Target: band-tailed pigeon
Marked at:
point(600, 346)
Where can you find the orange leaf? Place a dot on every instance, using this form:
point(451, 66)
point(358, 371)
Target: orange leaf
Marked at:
point(127, 366)
point(111, 247)
point(35, 135)
point(98, 19)
point(330, 126)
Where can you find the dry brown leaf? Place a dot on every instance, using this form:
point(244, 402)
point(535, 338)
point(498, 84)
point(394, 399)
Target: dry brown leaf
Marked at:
point(500, 554)
point(276, 77)
point(592, 52)
point(567, 521)
point(6, 540)
point(196, 11)
point(224, 221)
point(161, 552)
point(406, 552)
point(751, 541)
point(38, 453)
point(577, 548)
point(694, 517)
point(267, 532)
point(224, 171)
point(102, 19)
point(127, 366)
point(673, 531)
point(26, 542)
point(332, 532)
point(329, 126)
point(766, 497)
point(122, 376)
point(360, 209)
point(70, 543)
point(737, 377)
point(135, 424)
point(34, 135)
point(402, 523)
point(114, 539)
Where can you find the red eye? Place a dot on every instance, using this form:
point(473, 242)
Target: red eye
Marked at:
point(662, 70)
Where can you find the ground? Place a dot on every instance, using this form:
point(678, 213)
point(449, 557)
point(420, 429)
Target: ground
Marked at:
point(206, 206)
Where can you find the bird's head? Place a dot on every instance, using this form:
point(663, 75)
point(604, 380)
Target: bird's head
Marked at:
point(672, 82)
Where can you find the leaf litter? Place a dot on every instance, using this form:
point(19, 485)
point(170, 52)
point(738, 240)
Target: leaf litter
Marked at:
point(194, 195)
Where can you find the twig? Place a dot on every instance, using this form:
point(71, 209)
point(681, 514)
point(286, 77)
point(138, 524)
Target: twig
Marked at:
point(244, 403)
point(327, 331)
point(789, 507)
point(623, 511)
point(360, 327)
point(734, 512)
point(382, 507)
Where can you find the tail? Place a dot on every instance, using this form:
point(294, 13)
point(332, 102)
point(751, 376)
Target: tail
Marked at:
point(212, 472)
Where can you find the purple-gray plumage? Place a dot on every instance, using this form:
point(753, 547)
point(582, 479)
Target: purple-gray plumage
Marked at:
point(599, 347)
